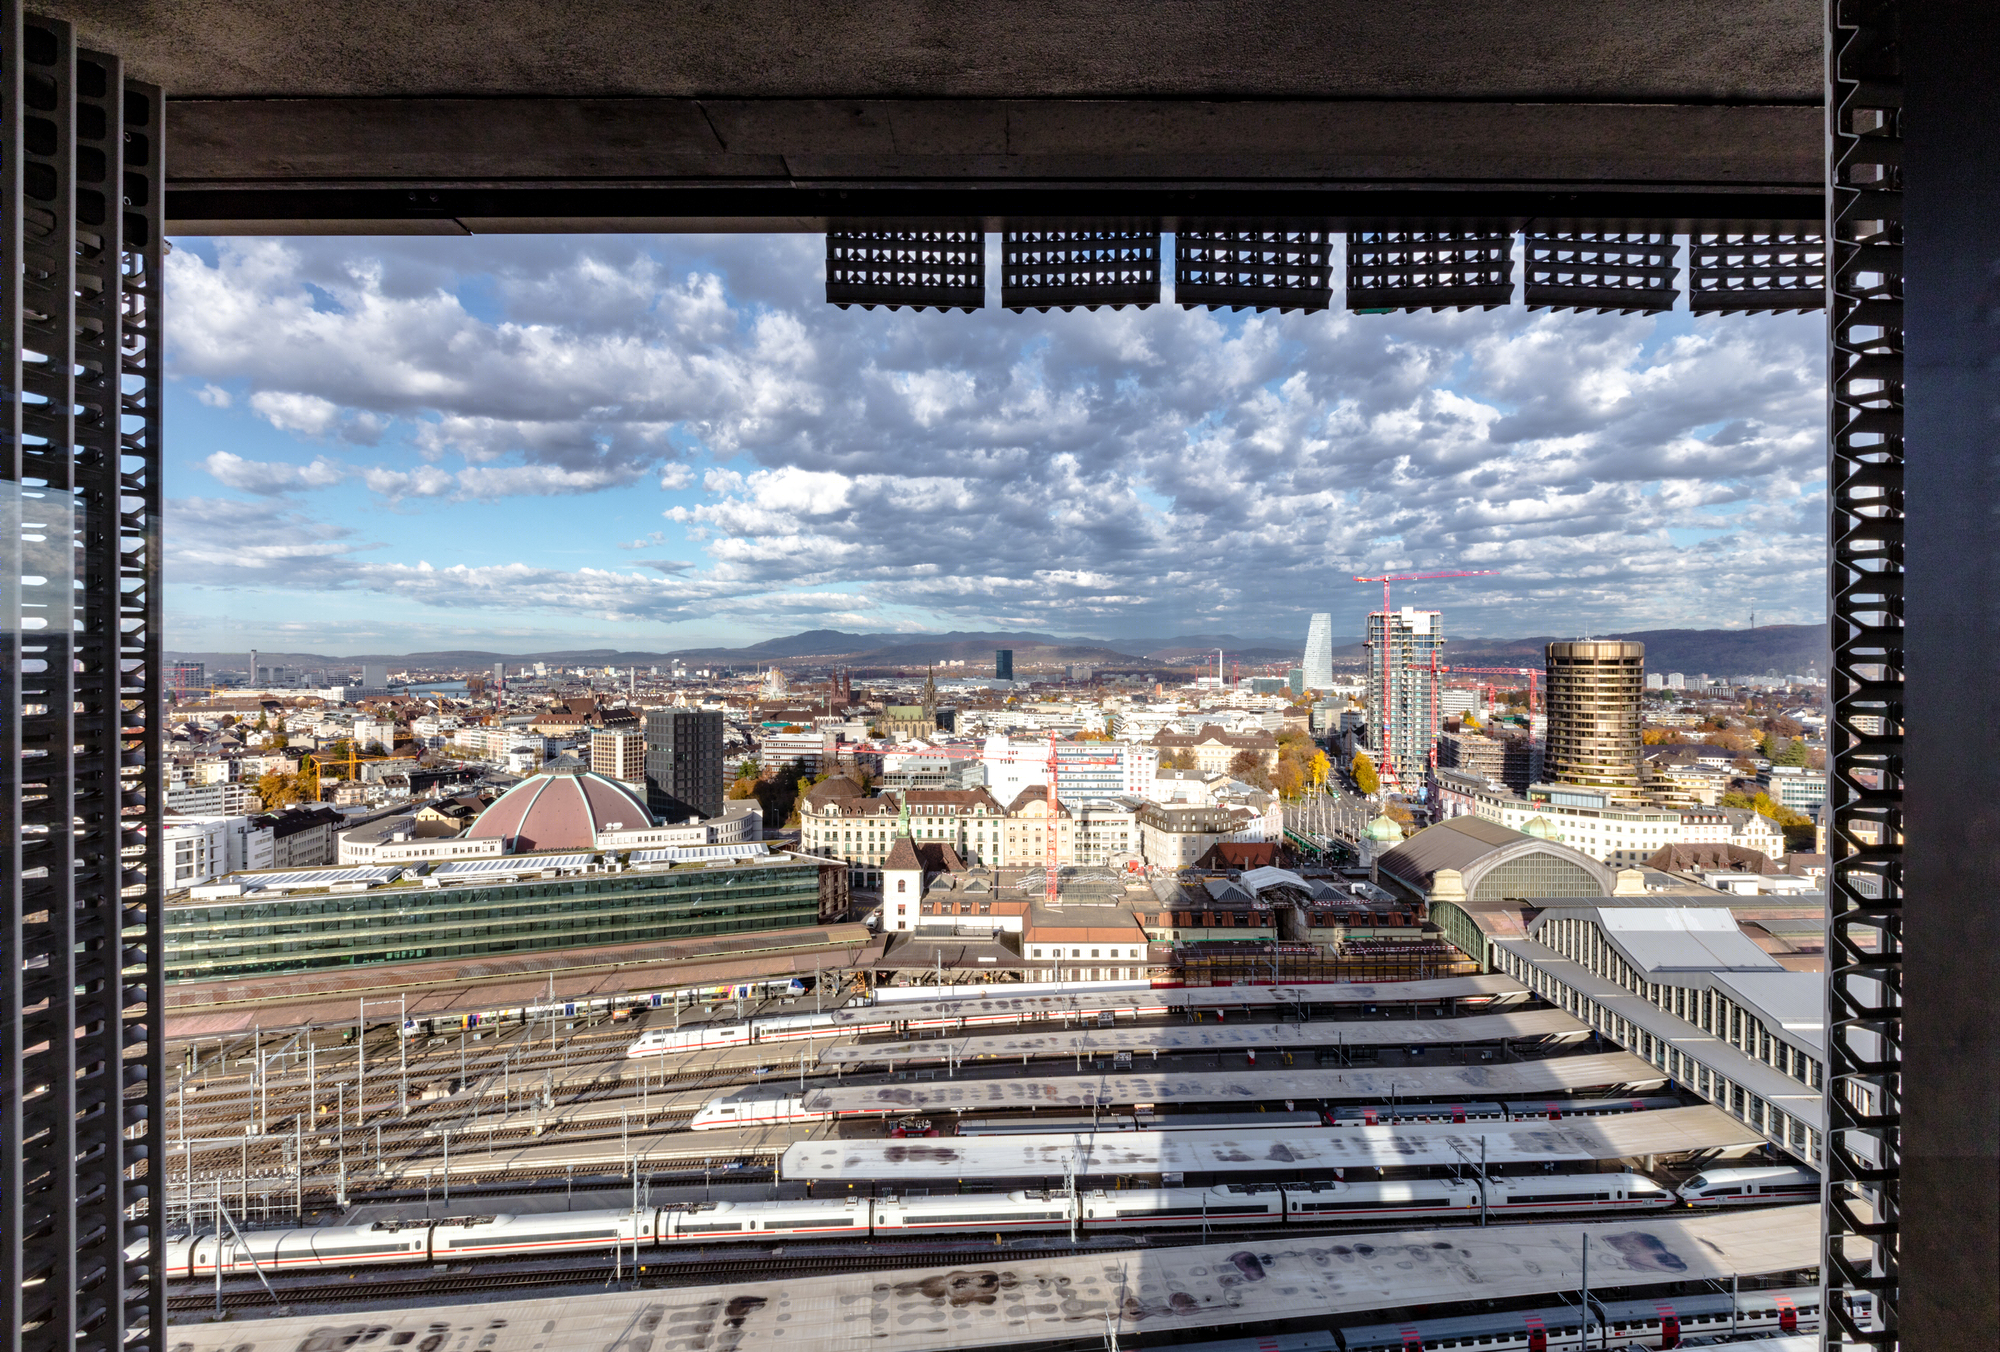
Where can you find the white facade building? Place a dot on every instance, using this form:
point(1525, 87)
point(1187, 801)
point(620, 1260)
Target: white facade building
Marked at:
point(1084, 769)
point(1318, 662)
point(200, 849)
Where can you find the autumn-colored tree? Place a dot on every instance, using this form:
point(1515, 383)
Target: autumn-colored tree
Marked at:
point(1289, 780)
point(1363, 770)
point(1400, 815)
point(1181, 759)
point(1318, 768)
point(1248, 766)
point(277, 789)
point(744, 787)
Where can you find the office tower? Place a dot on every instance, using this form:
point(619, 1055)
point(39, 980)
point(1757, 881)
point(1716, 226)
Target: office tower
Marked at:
point(84, 1172)
point(619, 754)
point(1403, 647)
point(374, 675)
point(1318, 662)
point(187, 678)
point(1593, 713)
point(1003, 664)
point(684, 771)
point(1295, 681)
point(500, 676)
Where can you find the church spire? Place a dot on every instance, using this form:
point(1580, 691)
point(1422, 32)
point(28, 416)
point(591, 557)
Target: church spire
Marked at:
point(930, 690)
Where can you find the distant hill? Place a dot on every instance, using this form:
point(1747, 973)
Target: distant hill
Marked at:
point(1785, 648)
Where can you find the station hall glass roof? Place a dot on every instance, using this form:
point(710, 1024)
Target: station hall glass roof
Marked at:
point(1143, 1294)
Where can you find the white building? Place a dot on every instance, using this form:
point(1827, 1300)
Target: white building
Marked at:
point(1619, 834)
point(1318, 662)
point(200, 849)
point(1083, 769)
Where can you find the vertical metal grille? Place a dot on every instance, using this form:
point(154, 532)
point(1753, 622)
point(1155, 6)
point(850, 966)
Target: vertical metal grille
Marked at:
point(80, 1049)
point(1064, 264)
point(1390, 270)
point(1865, 734)
point(1619, 272)
point(1236, 264)
point(1738, 273)
point(938, 264)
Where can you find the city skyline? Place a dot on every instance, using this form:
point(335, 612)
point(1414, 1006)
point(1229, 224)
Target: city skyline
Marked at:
point(673, 442)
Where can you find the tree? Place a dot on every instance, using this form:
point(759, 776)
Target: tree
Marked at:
point(1289, 780)
point(1318, 768)
point(277, 789)
point(1363, 770)
point(1248, 766)
point(747, 769)
point(1181, 759)
point(744, 787)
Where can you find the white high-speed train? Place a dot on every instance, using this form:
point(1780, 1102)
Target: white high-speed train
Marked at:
point(653, 1228)
point(755, 1109)
point(1751, 1187)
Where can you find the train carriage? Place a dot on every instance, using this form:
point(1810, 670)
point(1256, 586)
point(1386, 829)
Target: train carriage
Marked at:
point(984, 1211)
point(1384, 1114)
point(1398, 1198)
point(1751, 1187)
point(1184, 1206)
point(710, 1222)
point(1576, 1192)
point(546, 1232)
point(1556, 1109)
point(752, 1110)
point(1664, 1321)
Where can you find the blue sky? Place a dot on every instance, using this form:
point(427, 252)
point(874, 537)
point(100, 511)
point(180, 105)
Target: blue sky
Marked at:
point(663, 442)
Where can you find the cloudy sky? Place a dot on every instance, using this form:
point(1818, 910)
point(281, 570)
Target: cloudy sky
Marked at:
point(663, 442)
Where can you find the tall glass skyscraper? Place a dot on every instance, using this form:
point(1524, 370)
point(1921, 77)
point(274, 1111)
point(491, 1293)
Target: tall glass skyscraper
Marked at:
point(1319, 653)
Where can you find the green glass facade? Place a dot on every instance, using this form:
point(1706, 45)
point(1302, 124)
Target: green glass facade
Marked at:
point(244, 936)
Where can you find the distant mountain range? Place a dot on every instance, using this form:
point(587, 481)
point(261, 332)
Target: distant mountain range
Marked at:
point(1784, 648)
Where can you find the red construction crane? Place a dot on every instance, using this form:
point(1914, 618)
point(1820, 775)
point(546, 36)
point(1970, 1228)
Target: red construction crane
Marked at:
point(1532, 675)
point(1055, 811)
point(1387, 769)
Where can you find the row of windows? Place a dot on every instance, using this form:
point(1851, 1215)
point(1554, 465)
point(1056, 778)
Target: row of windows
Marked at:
point(1709, 1010)
point(1732, 1098)
point(205, 962)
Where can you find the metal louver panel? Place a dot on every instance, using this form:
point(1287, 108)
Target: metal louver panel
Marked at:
point(1736, 273)
point(1235, 264)
point(81, 1142)
point(937, 264)
point(1062, 264)
point(1466, 269)
point(1604, 271)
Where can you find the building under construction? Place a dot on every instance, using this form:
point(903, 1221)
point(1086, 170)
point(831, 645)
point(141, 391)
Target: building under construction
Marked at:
point(1403, 651)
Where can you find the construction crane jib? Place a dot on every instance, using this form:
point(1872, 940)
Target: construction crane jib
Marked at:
point(1384, 742)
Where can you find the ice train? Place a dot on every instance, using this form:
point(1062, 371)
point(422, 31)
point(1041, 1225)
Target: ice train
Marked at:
point(468, 1237)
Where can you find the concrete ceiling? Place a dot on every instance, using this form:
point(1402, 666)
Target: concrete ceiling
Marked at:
point(371, 109)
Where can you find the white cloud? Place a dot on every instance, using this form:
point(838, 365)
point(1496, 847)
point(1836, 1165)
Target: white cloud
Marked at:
point(214, 396)
point(1118, 472)
point(271, 477)
point(307, 414)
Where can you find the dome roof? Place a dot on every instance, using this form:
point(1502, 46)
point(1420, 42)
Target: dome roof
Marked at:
point(1541, 828)
point(565, 808)
point(1383, 827)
